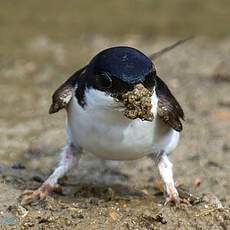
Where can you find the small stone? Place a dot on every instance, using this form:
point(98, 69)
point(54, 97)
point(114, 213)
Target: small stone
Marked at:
point(80, 216)
point(37, 178)
point(94, 201)
point(114, 216)
point(28, 224)
point(211, 199)
point(197, 182)
point(18, 166)
point(23, 212)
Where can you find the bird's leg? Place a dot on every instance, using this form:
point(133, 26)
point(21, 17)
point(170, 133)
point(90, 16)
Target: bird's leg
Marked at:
point(69, 157)
point(166, 173)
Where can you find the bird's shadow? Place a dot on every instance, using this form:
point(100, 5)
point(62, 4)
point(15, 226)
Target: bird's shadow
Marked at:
point(74, 188)
point(101, 191)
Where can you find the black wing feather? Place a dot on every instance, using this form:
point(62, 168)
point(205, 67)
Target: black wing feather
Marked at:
point(168, 107)
point(64, 93)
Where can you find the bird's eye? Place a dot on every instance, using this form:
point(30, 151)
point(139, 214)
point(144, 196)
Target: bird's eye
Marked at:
point(103, 81)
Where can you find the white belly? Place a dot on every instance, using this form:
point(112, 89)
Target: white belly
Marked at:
point(108, 134)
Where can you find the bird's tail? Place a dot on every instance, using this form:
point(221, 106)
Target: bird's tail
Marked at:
point(156, 55)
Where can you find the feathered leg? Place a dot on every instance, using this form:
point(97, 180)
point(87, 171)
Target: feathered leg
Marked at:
point(69, 157)
point(166, 173)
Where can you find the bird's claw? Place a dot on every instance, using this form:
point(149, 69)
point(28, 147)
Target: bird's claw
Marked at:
point(172, 200)
point(173, 197)
point(29, 196)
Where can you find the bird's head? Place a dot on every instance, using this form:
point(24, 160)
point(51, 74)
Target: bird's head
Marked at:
point(118, 69)
point(114, 72)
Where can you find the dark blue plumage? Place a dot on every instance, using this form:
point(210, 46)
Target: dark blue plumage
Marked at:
point(125, 63)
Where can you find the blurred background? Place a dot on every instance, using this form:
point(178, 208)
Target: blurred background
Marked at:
point(43, 42)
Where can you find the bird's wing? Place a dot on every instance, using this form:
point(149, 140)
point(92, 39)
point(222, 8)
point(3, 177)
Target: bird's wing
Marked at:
point(64, 93)
point(168, 108)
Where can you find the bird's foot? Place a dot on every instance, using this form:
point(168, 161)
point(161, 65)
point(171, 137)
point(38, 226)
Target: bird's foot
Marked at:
point(172, 196)
point(29, 196)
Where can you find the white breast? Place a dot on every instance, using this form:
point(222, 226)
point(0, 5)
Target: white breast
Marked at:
point(102, 129)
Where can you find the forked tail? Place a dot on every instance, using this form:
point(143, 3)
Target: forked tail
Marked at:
point(156, 55)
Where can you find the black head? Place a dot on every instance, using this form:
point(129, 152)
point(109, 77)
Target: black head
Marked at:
point(118, 69)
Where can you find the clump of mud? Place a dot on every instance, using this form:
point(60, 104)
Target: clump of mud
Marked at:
point(138, 103)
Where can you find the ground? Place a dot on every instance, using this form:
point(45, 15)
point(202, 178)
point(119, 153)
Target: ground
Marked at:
point(41, 44)
point(109, 194)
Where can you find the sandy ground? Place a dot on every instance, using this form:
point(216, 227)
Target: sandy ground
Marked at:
point(108, 194)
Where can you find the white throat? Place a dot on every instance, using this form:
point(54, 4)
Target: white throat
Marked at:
point(102, 129)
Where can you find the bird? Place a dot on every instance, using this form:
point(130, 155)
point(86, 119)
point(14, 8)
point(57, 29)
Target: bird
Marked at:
point(96, 122)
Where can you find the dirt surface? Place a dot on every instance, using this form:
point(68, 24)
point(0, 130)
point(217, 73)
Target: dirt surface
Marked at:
point(109, 194)
point(41, 44)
